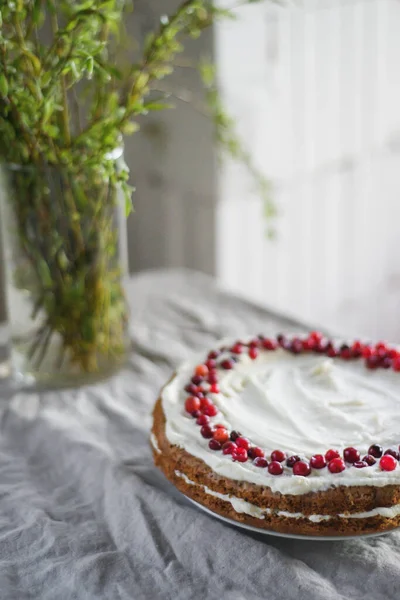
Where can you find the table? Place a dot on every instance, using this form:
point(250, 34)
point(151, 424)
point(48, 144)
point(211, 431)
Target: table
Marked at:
point(85, 515)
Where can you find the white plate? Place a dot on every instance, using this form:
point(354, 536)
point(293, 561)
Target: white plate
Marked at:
point(292, 536)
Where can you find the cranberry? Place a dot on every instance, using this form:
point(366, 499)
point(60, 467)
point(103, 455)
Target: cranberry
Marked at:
point(336, 465)
point(316, 336)
point(211, 364)
point(396, 364)
point(214, 445)
point(301, 468)
point(356, 349)
point(393, 453)
point(254, 343)
point(239, 454)
point(381, 347)
point(281, 339)
point(192, 404)
point(386, 363)
point(201, 370)
point(197, 379)
point(221, 435)
point(388, 463)
point(370, 460)
point(260, 461)
point(331, 454)
point(213, 376)
point(345, 352)
point(268, 344)
point(214, 389)
point(278, 456)
point(227, 364)
point(372, 362)
point(208, 408)
point(308, 344)
point(228, 447)
point(375, 450)
point(190, 388)
point(275, 468)
point(360, 464)
point(393, 353)
point(243, 442)
point(195, 414)
point(330, 350)
point(291, 460)
point(351, 455)
point(213, 354)
point(207, 431)
point(253, 353)
point(366, 352)
point(318, 461)
point(237, 348)
point(255, 452)
point(296, 346)
point(202, 420)
point(235, 435)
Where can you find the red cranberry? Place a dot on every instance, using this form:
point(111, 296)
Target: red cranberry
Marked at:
point(345, 352)
point(381, 347)
point(254, 343)
point(269, 344)
point(367, 351)
point(243, 442)
point(213, 354)
point(192, 404)
point(330, 350)
point(393, 453)
point(336, 465)
point(239, 454)
point(202, 420)
point(260, 461)
point(316, 336)
point(386, 363)
point(318, 461)
point(208, 408)
point(388, 463)
point(281, 339)
point(253, 353)
point(301, 468)
point(214, 389)
point(211, 364)
point(375, 450)
point(396, 364)
point(197, 379)
point(356, 349)
point(207, 431)
point(221, 435)
point(214, 445)
point(360, 464)
point(370, 460)
point(237, 348)
point(372, 362)
point(228, 447)
point(235, 435)
point(393, 353)
point(308, 344)
point(331, 454)
point(296, 346)
point(213, 376)
point(195, 414)
point(278, 456)
point(291, 460)
point(275, 468)
point(255, 452)
point(351, 455)
point(227, 364)
point(192, 389)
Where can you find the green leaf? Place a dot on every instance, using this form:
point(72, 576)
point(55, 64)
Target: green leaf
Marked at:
point(3, 85)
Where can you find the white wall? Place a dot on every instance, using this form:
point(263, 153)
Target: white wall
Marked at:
point(316, 90)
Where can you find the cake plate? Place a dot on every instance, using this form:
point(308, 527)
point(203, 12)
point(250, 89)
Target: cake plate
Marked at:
point(291, 536)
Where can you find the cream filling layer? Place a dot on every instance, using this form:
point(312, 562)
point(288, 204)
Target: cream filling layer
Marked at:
point(242, 506)
point(303, 404)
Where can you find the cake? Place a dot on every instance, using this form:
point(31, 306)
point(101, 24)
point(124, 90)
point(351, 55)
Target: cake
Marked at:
point(294, 434)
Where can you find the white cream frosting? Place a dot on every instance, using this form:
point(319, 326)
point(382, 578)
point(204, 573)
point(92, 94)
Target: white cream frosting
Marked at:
point(302, 404)
point(242, 506)
point(153, 441)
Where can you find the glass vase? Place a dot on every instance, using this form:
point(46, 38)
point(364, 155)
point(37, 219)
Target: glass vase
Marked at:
point(65, 251)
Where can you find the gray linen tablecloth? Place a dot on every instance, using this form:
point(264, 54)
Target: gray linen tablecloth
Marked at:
point(85, 515)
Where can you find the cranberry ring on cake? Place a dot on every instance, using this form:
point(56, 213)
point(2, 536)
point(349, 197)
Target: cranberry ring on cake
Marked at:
point(295, 434)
